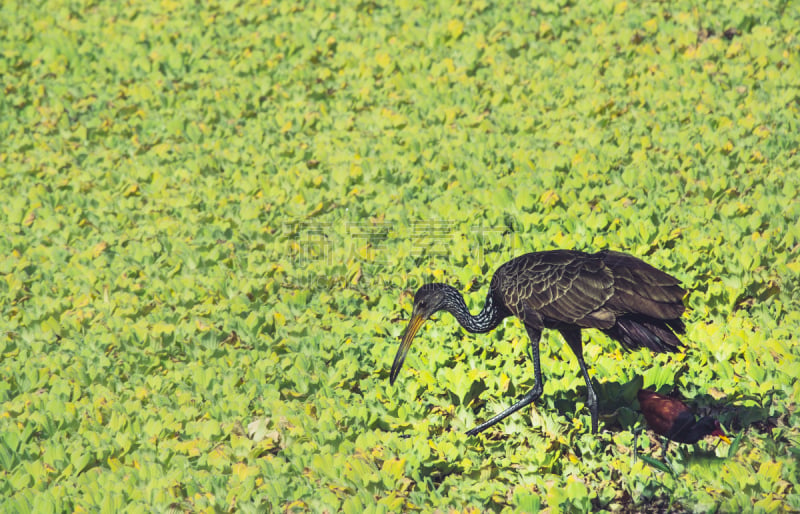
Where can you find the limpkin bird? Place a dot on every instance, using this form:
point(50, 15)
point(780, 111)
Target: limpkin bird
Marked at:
point(672, 419)
point(567, 290)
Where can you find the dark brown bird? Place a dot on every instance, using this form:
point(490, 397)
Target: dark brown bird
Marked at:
point(671, 418)
point(567, 290)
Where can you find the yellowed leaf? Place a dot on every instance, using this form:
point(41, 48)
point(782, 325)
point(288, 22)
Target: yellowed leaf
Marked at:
point(455, 28)
point(99, 248)
point(549, 198)
point(383, 60)
point(29, 219)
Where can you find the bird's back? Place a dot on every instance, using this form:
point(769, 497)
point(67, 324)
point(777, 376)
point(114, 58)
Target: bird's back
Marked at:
point(554, 286)
point(665, 415)
point(570, 287)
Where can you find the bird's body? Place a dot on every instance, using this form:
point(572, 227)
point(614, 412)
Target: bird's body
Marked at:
point(671, 418)
point(631, 301)
point(567, 290)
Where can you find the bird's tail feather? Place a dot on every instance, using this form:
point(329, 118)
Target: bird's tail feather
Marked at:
point(641, 332)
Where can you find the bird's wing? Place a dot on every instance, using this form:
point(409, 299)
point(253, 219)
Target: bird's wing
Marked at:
point(641, 288)
point(683, 423)
point(559, 286)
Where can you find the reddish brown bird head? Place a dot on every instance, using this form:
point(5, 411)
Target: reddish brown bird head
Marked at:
point(671, 418)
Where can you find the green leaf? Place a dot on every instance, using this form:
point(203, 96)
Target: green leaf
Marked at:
point(79, 461)
point(734, 447)
point(218, 214)
point(656, 464)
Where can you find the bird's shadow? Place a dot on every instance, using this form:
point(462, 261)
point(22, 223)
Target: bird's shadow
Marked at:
point(739, 412)
point(619, 407)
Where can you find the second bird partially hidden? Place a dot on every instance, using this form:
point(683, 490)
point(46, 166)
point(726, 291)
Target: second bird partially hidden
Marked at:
point(671, 418)
point(567, 290)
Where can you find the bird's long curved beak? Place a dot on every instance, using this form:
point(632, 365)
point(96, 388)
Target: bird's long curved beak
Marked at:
point(721, 435)
point(411, 330)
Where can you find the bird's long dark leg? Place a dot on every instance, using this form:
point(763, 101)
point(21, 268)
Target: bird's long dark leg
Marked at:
point(636, 432)
point(529, 397)
point(573, 338)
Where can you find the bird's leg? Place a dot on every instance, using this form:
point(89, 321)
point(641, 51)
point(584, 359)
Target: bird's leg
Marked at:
point(636, 432)
point(529, 397)
point(573, 338)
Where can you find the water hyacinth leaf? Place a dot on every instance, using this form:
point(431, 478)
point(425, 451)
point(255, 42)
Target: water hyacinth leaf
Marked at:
point(215, 217)
point(659, 465)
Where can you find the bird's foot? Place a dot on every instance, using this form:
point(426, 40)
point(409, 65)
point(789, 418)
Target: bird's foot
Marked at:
point(592, 404)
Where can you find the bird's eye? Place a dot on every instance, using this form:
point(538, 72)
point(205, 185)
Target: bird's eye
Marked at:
point(422, 303)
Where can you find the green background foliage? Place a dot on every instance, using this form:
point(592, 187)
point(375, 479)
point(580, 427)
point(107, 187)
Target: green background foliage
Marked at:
point(215, 214)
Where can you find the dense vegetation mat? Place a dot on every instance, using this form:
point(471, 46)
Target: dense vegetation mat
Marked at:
point(214, 216)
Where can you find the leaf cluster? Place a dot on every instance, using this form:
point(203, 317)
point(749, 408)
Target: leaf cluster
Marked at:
point(215, 215)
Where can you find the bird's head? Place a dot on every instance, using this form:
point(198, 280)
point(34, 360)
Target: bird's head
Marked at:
point(712, 427)
point(429, 299)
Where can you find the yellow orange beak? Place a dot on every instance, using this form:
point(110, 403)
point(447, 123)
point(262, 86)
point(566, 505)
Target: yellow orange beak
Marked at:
point(413, 326)
point(719, 433)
